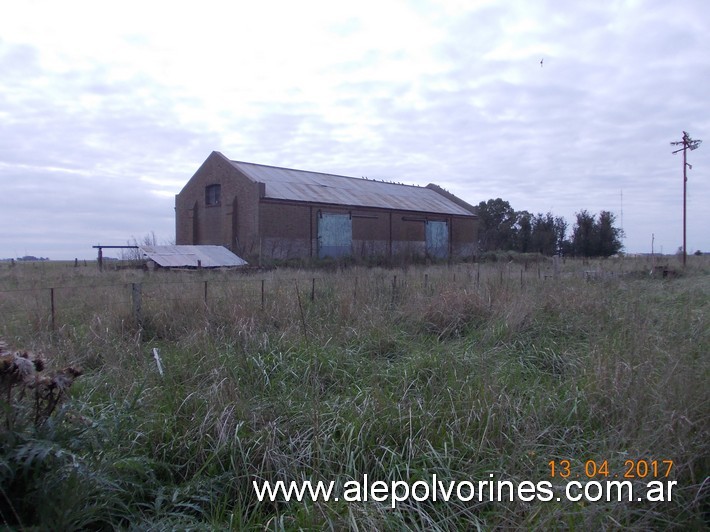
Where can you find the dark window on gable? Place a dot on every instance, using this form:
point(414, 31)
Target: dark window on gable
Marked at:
point(212, 194)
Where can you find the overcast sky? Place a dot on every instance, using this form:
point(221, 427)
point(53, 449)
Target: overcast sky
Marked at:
point(107, 109)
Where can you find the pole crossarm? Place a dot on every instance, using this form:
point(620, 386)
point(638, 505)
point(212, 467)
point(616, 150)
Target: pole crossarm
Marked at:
point(687, 143)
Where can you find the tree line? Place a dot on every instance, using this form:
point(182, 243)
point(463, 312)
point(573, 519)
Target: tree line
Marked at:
point(501, 228)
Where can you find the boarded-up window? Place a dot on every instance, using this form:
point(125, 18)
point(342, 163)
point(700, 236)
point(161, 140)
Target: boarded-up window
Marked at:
point(212, 194)
point(335, 235)
point(437, 239)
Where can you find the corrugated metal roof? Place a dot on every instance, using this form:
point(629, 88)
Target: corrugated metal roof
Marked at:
point(187, 256)
point(301, 185)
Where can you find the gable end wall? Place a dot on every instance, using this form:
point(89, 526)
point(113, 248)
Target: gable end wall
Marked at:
point(217, 224)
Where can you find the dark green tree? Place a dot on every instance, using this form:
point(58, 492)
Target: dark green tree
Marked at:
point(609, 237)
point(548, 234)
point(594, 236)
point(496, 225)
point(584, 238)
point(544, 239)
point(523, 231)
point(562, 244)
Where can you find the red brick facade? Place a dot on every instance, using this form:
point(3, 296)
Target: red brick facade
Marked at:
point(253, 225)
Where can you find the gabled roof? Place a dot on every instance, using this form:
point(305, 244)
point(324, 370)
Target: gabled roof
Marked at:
point(301, 185)
point(188, 256)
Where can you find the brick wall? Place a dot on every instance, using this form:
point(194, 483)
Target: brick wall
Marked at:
point(290, 229)
point(219, 224)
point(253, 226)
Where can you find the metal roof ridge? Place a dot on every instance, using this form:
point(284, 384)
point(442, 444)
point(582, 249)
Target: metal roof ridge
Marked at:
point(327, 174)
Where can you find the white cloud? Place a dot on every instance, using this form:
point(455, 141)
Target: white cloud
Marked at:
point(117, 105)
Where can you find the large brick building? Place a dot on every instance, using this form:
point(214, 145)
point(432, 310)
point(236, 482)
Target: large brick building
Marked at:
point(265, 211)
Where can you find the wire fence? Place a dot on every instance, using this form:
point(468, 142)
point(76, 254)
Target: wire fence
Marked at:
point(100, 298)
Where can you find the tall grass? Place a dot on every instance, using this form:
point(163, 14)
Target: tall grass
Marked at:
point(462, 372)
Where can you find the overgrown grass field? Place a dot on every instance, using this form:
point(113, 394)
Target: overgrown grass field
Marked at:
point(462, 371)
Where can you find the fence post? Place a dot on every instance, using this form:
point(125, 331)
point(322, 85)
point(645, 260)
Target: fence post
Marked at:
point(205, 293)
point(136, 294)
point(300, 308)
point(313, 289)
point(426, 280)
point(262, 294)
point(51, 304)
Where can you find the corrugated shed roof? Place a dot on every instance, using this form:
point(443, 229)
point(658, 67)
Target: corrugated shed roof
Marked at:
point(301, 185)
point(187, 256)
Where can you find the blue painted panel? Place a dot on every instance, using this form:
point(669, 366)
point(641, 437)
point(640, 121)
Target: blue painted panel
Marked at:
point(335, 235)
point(437, 239)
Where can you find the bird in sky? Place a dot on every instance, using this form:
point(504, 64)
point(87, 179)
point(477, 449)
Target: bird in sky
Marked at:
point(541, 60)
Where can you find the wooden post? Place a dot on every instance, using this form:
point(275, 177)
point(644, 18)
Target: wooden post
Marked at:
point(136, 294)
point(51, 304)
point(205, 293)
point(313, 289)
point(426, 280)
point(101, 260)
point(303, 316)
point(262, 294)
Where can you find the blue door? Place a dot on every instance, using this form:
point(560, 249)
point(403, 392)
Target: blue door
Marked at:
point(437, 239)
point(335, 235)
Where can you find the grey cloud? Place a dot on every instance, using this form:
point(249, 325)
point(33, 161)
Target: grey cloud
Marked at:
point(616, 88)
point(68, 169)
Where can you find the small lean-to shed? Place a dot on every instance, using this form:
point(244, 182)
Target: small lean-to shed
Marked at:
point(266, 211)
point(192, 256)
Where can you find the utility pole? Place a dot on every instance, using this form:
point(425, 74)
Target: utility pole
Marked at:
point(688, 144)
point(621, 194)
point(653, 255)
